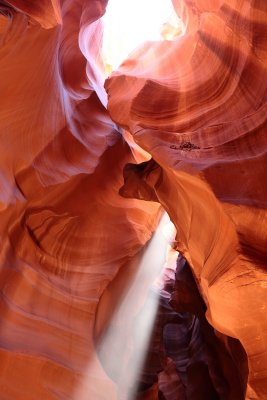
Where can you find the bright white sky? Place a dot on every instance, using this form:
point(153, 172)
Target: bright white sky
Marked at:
point(128, 23)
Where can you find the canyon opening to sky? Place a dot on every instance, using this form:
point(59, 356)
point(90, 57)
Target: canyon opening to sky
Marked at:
point(129, 23)
point(133, 202)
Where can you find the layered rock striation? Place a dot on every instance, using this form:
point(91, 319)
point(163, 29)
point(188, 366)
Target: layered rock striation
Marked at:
point(197, 105)
point(73, 220)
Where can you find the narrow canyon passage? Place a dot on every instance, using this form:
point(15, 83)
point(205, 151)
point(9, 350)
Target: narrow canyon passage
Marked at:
point(133, 200)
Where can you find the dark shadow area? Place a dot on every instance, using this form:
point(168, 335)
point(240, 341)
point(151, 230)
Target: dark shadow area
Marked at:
point(187, 358)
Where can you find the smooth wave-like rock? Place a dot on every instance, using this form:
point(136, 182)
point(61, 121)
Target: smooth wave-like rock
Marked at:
point(83, 187)
point(65, 230)
point(197, 105)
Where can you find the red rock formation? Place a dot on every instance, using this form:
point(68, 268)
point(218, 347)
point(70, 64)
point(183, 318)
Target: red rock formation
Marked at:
point(65, 230)
point(197, 105)
point(70, 242)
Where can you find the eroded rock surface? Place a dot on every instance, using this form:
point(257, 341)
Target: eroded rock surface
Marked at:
point(71, 232)
point(198, 109)
point(65, 230)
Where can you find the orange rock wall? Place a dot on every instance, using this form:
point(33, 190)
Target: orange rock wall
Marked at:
point(197, 105)
point(199, 110)
point(65, 231)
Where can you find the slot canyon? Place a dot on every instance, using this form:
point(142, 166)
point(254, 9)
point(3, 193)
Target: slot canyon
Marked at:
point(133, 200)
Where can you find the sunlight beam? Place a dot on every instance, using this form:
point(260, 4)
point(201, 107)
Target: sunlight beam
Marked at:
point(124, 345)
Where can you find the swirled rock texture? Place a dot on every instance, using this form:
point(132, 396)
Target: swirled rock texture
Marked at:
point(198, 106)
point(72, 232)
point(65, 230)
